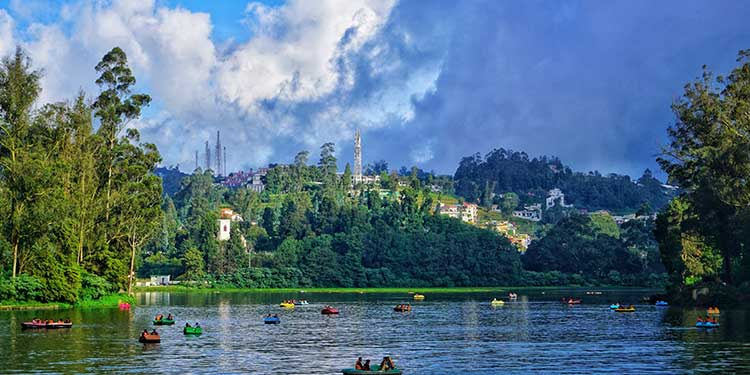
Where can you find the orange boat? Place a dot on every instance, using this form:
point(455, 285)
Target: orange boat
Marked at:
point(148, 338)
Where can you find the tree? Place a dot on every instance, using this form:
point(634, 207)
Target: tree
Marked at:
point(709, 157)
point(114, 107)
point(19, 88)
point(509, 203)
point(327, 161)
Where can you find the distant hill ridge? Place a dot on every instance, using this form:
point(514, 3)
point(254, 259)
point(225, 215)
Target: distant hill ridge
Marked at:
point(503, 170)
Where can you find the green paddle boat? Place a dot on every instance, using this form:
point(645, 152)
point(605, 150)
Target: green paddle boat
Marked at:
point(164, 322)
point(192, 330)
point(373, 371)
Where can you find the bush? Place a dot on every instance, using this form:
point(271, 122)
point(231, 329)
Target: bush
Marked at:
point(21, 288)
point(94, 287)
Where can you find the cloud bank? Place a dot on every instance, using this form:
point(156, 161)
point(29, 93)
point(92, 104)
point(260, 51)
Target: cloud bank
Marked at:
point(427, 82)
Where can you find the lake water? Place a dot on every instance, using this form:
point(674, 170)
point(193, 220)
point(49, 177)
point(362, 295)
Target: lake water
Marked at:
point(444, 334)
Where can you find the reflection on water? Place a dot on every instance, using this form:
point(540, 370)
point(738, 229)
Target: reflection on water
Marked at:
point(446, 333)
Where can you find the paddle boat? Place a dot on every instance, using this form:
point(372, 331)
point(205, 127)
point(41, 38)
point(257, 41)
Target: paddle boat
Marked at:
point(661, 303)
point(572, 301)
point(272, 320)
point(59, 324)
point(149, 338)
point(34, 324)
point(614, 306)
point(328, 310)
point(418, 297)
point(160, 320)
point(402, 308)
point(192, 330)
point(706, 325)
point(623, 309)
point(124, 306)
point(287, 305)
point(497, 302)
point(300, 302)
point(374, 370)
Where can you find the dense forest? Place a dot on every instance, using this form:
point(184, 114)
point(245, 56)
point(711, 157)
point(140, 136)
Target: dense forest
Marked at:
point(78, 201)
point(501, 171)
point(314, 227)
point(703, 234)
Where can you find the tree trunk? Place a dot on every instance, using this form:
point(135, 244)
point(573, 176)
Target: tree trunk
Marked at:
point(132, 266)
point(15, 256)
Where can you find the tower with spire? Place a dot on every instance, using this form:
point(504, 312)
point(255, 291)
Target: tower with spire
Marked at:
point(357, 157)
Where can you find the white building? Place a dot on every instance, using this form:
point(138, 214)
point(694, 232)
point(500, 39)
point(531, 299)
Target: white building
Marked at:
point(467, 212)
point(532, 212)
point(226, 217)
point(554, 196)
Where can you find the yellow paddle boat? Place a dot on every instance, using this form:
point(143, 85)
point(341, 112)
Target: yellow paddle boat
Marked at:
point(287, 305)
point(418, 297)
point(625, 309)
point(497, 302)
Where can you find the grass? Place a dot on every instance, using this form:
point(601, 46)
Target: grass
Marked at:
point(111, 300)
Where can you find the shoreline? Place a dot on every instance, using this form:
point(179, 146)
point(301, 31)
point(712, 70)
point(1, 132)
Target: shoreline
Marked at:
point(503, 289)
point(108, 301)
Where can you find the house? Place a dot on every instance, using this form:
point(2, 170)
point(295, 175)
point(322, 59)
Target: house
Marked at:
point(556, 195)
point(467, 212)
point(532, 212)
point(366, 180)
point(226, 217)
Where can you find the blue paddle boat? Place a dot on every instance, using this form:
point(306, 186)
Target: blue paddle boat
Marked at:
point(661, 303)
point(272, 320)
point(614, 306)
point(706, 325)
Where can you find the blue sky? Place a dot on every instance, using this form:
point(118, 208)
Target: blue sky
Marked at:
point(428, 82)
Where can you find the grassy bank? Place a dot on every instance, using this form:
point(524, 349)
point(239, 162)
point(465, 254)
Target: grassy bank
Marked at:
point(184, 289)
point(111, 300)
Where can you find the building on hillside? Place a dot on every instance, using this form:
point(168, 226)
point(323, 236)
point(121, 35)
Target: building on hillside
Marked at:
point(467, 212)
point(504, 227)
point(250, 179)
point(556, 195)
point(226, 217)
point(532, 212)
point(521, 241)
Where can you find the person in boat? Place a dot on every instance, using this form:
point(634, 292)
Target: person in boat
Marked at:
point(144, 333)
point(631, 307)
point(158, 317)
point(386, 364)
point(269, 315)
point(170, 317)
point(187, 325)
point(700, 319)
point(358, 365)
point(197, 325)
point(366, 366)
point(276, 315)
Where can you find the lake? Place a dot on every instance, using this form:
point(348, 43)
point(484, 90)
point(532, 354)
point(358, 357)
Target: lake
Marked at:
point(447, 333)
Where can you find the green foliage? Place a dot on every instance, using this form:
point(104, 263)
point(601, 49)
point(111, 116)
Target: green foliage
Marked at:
point(578, 246)
point(604, 223)
point(21, 288)
point(77, 201)
point(94, 287)
point(503, 171)
point(709, 158)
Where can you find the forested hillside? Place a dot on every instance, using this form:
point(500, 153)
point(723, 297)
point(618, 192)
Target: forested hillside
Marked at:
point(502, 171)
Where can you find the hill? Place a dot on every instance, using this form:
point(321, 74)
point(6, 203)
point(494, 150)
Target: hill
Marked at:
point(482, 179)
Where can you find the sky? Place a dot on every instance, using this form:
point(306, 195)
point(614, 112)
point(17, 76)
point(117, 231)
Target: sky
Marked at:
point(427, 82)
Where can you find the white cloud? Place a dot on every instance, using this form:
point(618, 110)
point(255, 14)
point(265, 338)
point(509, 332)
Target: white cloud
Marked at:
point(287, 86)
point(6, 33)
